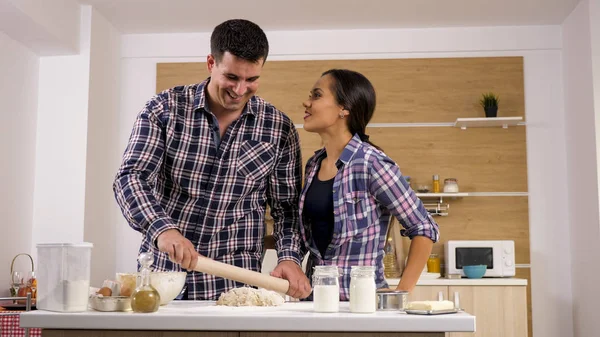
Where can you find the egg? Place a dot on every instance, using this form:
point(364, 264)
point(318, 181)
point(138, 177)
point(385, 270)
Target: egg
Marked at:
point(104, 291)
point(126, 291)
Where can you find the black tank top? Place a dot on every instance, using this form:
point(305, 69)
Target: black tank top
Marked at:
point(318, 208)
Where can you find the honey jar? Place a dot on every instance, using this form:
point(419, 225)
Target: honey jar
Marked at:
point(434, 264)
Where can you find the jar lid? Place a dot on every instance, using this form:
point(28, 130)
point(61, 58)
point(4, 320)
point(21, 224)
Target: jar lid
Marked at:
point(362, 270)
point(326, 270)
point(450, 180)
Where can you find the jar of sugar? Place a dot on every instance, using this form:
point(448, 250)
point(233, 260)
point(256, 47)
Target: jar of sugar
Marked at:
point(326, 289)
point(363, 290)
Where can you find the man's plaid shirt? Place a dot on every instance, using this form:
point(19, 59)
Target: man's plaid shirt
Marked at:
point(173, 175)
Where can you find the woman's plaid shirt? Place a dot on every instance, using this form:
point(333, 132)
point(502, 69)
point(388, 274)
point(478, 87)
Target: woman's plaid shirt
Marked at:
point(368, 189)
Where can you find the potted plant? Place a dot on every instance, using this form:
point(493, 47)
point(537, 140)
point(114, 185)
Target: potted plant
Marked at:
point(489, 102)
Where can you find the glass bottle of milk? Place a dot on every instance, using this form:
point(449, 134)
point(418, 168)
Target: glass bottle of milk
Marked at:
point(363, 290)
point(326, 289)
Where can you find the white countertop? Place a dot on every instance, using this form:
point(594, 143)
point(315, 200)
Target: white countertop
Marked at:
point(509, 281)
point(291, 316)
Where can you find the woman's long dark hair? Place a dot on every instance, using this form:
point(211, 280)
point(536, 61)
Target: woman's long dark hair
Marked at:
point(355, 93)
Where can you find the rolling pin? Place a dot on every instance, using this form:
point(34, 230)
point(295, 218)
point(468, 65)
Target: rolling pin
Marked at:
point(212, 267)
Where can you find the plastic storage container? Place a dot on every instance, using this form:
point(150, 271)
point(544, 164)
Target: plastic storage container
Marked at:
point(63, 276)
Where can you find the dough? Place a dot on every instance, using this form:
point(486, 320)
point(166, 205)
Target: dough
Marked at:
point(246, 296)
point(430, 305)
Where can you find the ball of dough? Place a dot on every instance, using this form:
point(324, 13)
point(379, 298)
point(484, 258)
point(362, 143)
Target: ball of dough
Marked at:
point(246, 296)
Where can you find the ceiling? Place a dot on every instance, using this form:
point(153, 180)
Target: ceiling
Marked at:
point(179, 16)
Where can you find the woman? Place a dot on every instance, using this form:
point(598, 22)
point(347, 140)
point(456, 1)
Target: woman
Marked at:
point(352, 188)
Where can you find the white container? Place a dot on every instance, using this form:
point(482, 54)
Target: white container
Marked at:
point(63, 276)
point(326, 289)
point(363, 290)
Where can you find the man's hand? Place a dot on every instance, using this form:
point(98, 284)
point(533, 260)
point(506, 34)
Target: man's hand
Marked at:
point(299, 284)
point(180, 249)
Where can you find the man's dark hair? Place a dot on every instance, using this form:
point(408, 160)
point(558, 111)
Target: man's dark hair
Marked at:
point(242, 38)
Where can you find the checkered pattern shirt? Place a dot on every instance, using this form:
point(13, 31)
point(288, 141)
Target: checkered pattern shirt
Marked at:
point(173, 175)
point(367, 190)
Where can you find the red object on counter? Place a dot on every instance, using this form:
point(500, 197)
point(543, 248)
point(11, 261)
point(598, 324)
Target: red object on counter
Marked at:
point(9, 325)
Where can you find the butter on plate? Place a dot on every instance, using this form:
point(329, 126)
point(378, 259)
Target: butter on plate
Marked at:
point(430, 305)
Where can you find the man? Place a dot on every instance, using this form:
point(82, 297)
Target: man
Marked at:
point(202, 163)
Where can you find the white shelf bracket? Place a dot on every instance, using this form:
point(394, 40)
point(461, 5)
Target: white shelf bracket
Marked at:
point(505, 126)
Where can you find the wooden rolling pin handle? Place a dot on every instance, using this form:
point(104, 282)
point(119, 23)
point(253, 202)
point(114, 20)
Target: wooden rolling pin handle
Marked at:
point(212, 267)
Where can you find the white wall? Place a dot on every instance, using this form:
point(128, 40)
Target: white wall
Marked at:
point(541, 48)
point(594, 12)
point(101, 211)
point(62, 143)
point(46, 27)
point(581, 168)
point(18, 94)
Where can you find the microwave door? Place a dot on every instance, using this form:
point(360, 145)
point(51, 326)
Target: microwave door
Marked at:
point(468, 256)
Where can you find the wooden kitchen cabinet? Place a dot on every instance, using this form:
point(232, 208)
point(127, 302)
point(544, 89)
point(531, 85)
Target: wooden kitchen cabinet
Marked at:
point(428, 293)
point(500, 311)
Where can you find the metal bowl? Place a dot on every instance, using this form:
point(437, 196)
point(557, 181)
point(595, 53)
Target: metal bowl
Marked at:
point(391, 300)
point(110, 303)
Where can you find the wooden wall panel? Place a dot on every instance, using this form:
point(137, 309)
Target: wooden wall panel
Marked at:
point(485, 218)
point(482, 159)
point(408, 90)
point(169, 75)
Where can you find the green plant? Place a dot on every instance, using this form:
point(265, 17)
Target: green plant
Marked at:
point(489, 100)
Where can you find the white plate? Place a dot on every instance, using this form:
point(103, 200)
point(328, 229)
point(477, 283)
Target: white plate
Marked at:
point(431, 312)
point(430, 276)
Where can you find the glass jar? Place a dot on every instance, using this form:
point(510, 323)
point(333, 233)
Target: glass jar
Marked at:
point(436, 184)
point(434, 264)
point(145, 298)
point(326, 289)
point(363, 290)
point(390, 262)
point(450, 185)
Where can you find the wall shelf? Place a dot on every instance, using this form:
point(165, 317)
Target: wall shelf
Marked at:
point(472, 194)
point(440, 196)
point(485, 122)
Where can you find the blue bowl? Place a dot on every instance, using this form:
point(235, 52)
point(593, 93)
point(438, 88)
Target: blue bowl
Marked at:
point(475, 271)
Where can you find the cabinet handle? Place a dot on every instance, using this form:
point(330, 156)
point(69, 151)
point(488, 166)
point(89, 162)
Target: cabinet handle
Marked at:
point(441, 296)
point(456, 300)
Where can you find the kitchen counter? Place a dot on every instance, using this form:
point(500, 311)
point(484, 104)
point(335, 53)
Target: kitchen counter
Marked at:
point(508, 281)
point(296, 318)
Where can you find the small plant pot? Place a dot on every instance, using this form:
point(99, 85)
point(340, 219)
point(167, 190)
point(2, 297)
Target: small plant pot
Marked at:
point(491, 111)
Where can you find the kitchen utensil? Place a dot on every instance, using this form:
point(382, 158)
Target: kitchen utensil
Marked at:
point(391, 300)
point(209, 266)
point(169, 284)
point(110, 303)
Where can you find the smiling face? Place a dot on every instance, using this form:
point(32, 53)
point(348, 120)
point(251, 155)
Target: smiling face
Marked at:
point(322, 112)
point(233, 81)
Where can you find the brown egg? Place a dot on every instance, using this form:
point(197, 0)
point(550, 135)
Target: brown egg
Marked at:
point(126, 291)
point(104, 291)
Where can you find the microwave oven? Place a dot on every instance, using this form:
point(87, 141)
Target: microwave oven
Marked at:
point(497, 255)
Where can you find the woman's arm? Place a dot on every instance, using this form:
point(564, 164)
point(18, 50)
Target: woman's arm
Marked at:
point(420, 248)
